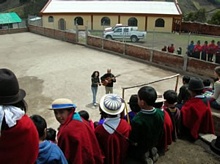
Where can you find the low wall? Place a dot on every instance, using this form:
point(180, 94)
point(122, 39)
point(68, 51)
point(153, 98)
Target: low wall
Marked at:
point(12, 31)
point(53, 33)
point(174, 62)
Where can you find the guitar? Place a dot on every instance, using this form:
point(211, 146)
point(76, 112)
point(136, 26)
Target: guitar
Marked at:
point(109, 80)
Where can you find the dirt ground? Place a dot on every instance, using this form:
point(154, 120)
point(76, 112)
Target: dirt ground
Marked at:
point(48, 69)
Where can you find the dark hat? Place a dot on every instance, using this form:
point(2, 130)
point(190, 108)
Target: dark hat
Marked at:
point(215, 145)
point(9, 88)
point(195, 84)
point(133, 99)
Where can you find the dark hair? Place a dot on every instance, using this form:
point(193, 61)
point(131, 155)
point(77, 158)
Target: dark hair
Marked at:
point(217, 70)
point(147, 94)
point(206, 82)
point(186, 79)
point(170, 96)
point(93, 74)
point(84, 114)
point(51, 134)
point(133, 103)
point(40, 124)
point(22, 105)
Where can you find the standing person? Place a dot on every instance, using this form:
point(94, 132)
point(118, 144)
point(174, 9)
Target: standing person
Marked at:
point(204, 51)
point(215, 99)
point(211, 50)
point(107, 80)
point(113, 133)
point(75, 136)
point(146, 128)
point(190, 49)
point(94, 86)
point(18, 135)
point(217, 55)
point(196, 114)
point(49, 152)
point(197, 50)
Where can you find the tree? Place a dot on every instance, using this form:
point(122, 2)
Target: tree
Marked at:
point(215, 18)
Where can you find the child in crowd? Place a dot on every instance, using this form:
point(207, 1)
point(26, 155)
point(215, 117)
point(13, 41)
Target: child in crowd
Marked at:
point(196, 114)
point(147, 128)
point(170, 97)
point(51, 135)
point(85, 115)
point(75, 137)
point(113, 133)
point(183, 95)
point(133, 104)
point(49, 152)
point(207, 91)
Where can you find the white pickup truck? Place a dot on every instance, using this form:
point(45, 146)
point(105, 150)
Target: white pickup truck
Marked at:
point(125, 33)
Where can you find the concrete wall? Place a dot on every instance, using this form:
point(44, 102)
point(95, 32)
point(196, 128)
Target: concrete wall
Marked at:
point(11, 31)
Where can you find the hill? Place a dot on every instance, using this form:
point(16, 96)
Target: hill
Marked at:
point(33, 7)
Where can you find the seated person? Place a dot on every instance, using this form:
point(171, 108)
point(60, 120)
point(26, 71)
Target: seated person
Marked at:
point(48, 151)
point(164, 48)
point(171, 48)
point(133, 103)
point(207, 91)
point(170, 97)
point(196, 114)
point(215, 98)
point(85, 115)
point(51, 135)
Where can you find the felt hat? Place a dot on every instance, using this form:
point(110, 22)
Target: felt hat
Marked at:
point(215, 145)
point(62, 103)
point(133, 100)
point(195, 84)
point(112, 104)
point(10, 93)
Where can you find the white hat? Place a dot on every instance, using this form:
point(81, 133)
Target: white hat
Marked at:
point(112, 104)
point(62, 103)
point(159, 98)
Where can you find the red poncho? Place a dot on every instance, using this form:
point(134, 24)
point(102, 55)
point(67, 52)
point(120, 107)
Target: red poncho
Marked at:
point(197, 117)
point(78, 142)
point(114, 146)
point(19, 144)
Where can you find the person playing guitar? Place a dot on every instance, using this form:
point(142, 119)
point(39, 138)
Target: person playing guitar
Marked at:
point(107, 80)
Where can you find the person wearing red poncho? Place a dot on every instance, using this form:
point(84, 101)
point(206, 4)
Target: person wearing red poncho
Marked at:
point(18, 134)
point(76, 138)
point(196, 113)
point(113, 134)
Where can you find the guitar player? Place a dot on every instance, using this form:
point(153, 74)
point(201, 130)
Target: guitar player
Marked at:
point(107, 80)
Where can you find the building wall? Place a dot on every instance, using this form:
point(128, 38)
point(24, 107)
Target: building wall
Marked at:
point(145, 23)
point(167, 26)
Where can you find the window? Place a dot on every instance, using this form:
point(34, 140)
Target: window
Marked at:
point(118, 30)
point(159, 22)
point(126, 30)
point(62, 24)
point(50, 19)
point(78, 21)
point(105, 21)
point(132, 21)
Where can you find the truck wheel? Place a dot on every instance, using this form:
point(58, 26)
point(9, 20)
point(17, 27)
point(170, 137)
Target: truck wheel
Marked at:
point(109, 37)
point(134, 39)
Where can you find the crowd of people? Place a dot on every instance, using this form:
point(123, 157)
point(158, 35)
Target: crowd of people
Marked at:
point(139, 137)
point(204, 51)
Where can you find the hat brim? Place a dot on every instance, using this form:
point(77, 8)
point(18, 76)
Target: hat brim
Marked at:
point(214, 148)
point(63, 107)
point(110, 112)
point(13, 99)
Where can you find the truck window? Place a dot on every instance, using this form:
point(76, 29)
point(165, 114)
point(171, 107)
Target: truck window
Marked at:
point(126, 30)
point(118, 30)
